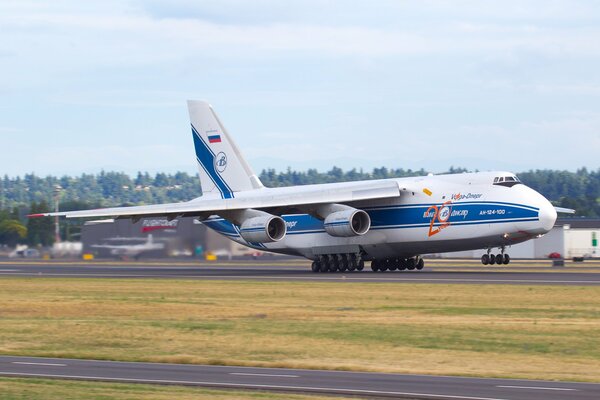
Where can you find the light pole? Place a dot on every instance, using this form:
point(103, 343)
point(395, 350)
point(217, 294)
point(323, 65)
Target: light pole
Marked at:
point(57, 191)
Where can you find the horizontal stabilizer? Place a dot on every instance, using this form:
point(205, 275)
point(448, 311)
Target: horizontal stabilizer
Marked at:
point(564, 210)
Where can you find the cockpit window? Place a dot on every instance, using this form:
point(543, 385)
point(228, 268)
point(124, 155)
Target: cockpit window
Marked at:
point(508, 181)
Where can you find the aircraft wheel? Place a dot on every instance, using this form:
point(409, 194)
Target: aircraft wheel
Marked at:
point(333, 266)
point(361, 265)
point(383, 266)
point(316, 266)
point(485, 259)
point(392, 264)
point(375, 265)
point(324, 264)
point(506, 259)
point(343, 263)
point(420, 264)
point(499, 259)
point(492, 259)
point(410, 264)
point(352, 262)
point(402, 264)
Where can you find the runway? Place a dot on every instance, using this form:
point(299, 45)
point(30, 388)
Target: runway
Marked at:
point(296, 380)
point(299, 271)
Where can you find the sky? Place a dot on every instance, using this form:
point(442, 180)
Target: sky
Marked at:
point(92, 85)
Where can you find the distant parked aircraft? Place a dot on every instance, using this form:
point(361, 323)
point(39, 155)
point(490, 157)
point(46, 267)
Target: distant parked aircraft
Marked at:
point(131, 250)
point(390, 222)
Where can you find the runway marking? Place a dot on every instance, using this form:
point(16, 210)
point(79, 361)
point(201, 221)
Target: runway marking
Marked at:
point(38, 363)
point(364, 278)
point(270, 375)
point(536, 387)
point(258, 386)
point(9, 270)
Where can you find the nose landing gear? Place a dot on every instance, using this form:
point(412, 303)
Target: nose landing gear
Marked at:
point(492, 259)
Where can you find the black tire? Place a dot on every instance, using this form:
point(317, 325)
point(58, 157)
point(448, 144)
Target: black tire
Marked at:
point(383, 265)
point(506, 259)
point(343, 262)
point(402, 265)
point(420, 264)
point(375, 265)
point(352, 263)
point(499, 259)
point(485, 259)
point(335, 264)
point(361, 265)
point(392, 264)
point(316, 266)
point(492, 259)
point(410, 264)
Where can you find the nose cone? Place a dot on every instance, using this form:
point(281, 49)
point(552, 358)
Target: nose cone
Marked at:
point(547, 215)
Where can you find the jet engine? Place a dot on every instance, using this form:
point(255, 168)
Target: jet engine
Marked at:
point(263, 229)
point(346, 223)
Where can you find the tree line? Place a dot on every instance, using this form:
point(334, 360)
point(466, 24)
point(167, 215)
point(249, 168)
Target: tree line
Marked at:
point(30, 194)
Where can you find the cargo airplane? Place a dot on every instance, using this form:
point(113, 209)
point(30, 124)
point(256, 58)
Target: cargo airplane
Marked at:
point(339, 226)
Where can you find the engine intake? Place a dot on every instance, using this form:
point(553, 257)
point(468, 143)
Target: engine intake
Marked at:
point(263, 229)
point(347, 223)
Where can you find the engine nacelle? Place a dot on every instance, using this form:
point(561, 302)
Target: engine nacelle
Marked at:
point(347, 223)
point(263, 229)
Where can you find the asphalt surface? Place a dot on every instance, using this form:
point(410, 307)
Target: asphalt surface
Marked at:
point(296, 380)
point(295, 271)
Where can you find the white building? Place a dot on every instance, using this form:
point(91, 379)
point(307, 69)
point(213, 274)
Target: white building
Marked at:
point(570, 237)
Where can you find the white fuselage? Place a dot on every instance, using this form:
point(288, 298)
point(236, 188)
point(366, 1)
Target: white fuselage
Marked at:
point(433, 214)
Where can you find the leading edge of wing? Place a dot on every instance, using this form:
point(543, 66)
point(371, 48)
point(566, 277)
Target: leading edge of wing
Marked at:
point(257, 199)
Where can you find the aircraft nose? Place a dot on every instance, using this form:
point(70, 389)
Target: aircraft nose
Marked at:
point(547, 215)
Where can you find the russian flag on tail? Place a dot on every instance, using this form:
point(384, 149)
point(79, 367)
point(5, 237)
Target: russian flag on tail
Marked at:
point(214, 139)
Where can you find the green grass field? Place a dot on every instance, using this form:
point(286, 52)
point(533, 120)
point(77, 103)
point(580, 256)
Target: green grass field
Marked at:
point(47, 389)
point(537, 332)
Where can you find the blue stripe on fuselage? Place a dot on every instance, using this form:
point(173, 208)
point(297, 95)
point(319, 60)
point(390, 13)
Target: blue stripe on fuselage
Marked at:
point(406, 216)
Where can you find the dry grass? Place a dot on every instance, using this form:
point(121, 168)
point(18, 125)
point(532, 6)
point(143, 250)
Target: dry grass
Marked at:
point(41, 389)
point(539, 332)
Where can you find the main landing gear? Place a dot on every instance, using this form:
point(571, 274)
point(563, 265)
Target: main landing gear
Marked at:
point(338, 263)
point(400, 264)
point(492, 259)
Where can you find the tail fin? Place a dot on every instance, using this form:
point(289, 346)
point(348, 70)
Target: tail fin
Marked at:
point(223, 170)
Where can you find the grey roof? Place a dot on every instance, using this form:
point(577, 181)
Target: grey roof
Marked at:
point(579, 222)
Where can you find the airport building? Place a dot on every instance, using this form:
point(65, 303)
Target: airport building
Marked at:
point(570, 237)
point(155, 238)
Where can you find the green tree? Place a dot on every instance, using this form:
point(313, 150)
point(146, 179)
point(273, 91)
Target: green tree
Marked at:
point(12, 232)
point(40, 231)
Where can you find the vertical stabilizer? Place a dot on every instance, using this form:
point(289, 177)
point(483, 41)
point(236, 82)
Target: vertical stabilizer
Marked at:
point(223, 170)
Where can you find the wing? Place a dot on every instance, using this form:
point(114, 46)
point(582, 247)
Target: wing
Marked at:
point(281, 199)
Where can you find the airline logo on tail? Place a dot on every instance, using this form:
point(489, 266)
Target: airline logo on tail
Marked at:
point(221, 162)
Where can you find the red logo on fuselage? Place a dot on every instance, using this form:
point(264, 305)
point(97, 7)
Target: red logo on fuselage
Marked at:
point(440, 215)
